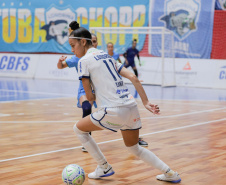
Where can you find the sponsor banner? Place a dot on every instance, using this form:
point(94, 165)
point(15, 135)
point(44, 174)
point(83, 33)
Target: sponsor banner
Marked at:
point(188, 72)
point(220, 5)
point(150, 71)
point(18, 65)
point(47, 69)
point(220, 74)
point(191, 22)
point(42, 26)
point(194, 72)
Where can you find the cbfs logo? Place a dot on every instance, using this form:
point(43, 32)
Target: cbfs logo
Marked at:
point(222, 75)
point(57, 24)
point(14, 63)
point(181, 16)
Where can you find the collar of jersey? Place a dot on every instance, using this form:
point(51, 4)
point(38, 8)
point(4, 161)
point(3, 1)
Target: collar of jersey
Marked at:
point(90, 50)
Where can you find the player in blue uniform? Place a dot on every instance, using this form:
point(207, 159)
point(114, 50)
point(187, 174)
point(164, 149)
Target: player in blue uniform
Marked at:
point(110, 48)
point(81, 97)
point(130, 55)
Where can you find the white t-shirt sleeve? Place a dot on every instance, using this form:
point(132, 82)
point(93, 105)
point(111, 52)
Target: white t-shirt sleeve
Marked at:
point(83, 71)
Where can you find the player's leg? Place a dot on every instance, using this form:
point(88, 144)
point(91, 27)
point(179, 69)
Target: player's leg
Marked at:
point(130, 138)
point(82, 129)
point(126, 63)
point(134, 69)
point(86, 108)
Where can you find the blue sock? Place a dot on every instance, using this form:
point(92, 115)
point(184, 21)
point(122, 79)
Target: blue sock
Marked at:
point(87, 109)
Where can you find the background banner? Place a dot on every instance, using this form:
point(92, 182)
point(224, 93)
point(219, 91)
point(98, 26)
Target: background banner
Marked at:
point(18, 65)
point(191, 22)
point(47, 68)
point(42, 26)
point(220, 5)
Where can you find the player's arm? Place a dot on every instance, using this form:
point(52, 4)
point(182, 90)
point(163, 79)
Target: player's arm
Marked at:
point(125, 55)
point(84, 75)
point(138, 56)
point(88, 89)
point(119, 60)
point(61, 62)
point(132, 77)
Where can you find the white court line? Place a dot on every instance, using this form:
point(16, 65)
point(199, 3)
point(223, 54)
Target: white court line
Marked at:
point(189, 102)
point(16, 101)
point(195, 100)
point(7, 96)
point(185, 114)
point(153, 117)
point(32, 92)
point(37, 121)
point(71, 95)
point(3, 115)
point(110, 141)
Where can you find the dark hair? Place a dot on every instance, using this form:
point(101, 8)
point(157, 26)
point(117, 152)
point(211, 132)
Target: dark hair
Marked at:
point(80, 32)
point(92, 34)
point(110, 43)
point(134, 40)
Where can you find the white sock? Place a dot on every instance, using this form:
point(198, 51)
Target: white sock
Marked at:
point(91, 146)
point(148, 157)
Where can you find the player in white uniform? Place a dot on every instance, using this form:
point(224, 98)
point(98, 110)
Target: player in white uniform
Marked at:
point(117, 108)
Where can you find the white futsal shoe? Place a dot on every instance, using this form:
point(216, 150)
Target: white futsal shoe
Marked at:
point(101, 172)
point(175, 178)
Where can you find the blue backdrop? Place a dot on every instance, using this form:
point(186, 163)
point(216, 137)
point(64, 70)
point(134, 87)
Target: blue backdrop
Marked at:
point(191, 22)
point(42, 26)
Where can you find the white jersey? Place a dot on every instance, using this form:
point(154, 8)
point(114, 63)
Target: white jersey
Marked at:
point(103, 70)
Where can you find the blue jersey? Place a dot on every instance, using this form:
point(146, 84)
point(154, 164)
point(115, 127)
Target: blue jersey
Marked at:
point(115, 56)
point(72, 62)
point(131, 53)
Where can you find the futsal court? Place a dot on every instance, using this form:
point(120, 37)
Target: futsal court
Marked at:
point(37, 139)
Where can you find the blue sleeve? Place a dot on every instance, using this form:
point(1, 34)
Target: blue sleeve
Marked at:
point(72, 62)
point(116, 56)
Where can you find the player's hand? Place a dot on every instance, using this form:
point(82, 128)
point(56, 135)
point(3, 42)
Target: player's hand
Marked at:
point(152, 108)
point(62, 58)
point(126, 61)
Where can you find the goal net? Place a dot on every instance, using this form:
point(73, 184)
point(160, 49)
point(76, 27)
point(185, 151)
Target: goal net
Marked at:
point(156, 50)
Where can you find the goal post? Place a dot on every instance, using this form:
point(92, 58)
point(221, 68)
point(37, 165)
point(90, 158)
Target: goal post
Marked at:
point(156, 47)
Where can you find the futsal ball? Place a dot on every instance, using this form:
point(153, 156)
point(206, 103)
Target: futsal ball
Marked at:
point(73, 174)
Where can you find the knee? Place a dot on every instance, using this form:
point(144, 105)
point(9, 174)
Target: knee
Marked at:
point(82, 136)
point(77, 130)
point(135, 149)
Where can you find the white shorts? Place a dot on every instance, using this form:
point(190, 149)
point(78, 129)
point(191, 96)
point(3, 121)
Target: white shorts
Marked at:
point(115, 118)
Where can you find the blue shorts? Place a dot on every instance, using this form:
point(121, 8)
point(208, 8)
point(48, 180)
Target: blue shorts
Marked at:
point(81, 92)
point(130, 63)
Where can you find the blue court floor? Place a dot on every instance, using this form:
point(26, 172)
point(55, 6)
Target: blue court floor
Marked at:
point(14, 89)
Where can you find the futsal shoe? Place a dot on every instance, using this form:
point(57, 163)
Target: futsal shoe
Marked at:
point(142, 142)
point(84, 149)
point(175, 178)
point(101, 172)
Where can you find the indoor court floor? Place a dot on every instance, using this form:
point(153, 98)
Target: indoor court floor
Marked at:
point(37, 139)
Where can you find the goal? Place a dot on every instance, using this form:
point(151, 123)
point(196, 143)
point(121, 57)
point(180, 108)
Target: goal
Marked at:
point(156, 47)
